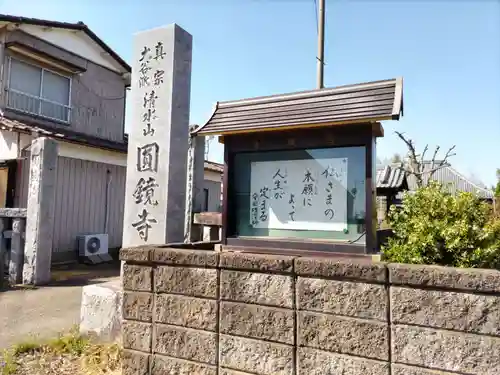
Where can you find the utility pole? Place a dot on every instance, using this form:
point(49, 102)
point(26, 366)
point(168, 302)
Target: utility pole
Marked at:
point(321, 42)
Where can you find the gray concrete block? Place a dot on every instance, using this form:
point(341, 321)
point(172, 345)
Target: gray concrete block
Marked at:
point(316, 362)
point(346, 298)
point(269, 323)
point(185, 257)
point(446, 350)
point(196, 282)
point(137, 335)
point(135, 363)
point(225, 371)
point(398, 369)
point(174, 366)
point(451, 310)
point(139, 254)
point(101, 311)
point(257, 262)
point(138, 306)
point(185, 311)
point(266, 289)
point(346, 268)
point(258, 357)
point(185, 343)
point(344, 335)
point(137, 278)
point(445, 277)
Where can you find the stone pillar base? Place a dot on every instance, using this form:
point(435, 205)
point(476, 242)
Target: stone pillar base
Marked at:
point(101, 311)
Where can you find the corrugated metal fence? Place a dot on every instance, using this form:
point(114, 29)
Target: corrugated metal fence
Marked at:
point(80, 202)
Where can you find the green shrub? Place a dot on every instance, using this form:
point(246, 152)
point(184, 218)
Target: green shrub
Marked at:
point(434, 227)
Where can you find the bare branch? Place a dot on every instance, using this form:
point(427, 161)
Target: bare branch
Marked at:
point(416, 163)
point(422, 158)
point(449, 154)
point(413, 167)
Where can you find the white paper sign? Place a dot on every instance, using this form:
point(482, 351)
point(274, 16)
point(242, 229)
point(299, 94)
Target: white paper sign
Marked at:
point(309, 194)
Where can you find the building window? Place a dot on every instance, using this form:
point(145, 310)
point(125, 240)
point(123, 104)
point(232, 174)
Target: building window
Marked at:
point(205, 200)
point(302, 194)
point(38, 91)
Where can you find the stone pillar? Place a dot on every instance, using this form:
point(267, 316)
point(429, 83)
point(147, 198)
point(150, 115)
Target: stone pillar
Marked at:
point(17, 251)
point(155, 199)
point(194, 188)
point(40, 211)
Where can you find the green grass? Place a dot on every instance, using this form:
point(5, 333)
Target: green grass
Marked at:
point(95, 358)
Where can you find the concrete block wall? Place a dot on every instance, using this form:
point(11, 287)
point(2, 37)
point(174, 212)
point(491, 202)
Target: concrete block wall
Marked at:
point(207, 313)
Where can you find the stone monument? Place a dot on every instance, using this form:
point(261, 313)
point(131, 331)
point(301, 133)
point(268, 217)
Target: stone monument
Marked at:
point(155, 200)
point(158, 140)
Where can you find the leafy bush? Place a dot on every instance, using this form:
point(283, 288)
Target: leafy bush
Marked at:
point(435, 227)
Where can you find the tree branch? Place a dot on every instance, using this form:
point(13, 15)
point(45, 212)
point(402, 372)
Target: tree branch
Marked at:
point(416, 167)
point(413, 165)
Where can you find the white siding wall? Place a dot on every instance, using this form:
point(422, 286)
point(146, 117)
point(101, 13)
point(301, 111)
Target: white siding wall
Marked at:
point(80, 203)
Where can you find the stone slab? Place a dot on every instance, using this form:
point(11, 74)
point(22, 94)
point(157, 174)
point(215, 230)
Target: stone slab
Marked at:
point(196, 282)
point(316, 362)
point(137, 335)
point(257, 357)
point(346, 298)
point(138, 306)
point(269, 323)
point(445, 277)
point(101, 311)
point(450, 310)
point(349, 268)
point(446, 350)
point(185, 343)
point(208, 218)
point(163, 365)
point(344, 335)
point(12, 212)
point(256, 262)
point(260, 288)
point(185, 311)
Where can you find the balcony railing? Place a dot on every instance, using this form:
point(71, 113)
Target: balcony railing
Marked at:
point(35, 105)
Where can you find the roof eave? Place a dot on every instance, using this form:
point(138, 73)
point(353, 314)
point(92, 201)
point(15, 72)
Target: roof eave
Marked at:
point(398, 109)
point(79, 26)
point(199, 130)
point(377, 129)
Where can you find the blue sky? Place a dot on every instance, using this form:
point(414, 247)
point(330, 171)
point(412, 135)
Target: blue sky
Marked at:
point(448, 53)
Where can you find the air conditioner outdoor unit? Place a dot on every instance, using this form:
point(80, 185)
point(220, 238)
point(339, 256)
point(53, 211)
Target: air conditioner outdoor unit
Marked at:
point(93, 248)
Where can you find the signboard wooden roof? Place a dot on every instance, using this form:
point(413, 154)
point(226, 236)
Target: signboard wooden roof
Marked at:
point(359, 103)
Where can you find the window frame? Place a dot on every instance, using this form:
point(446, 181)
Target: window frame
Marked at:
point(39, 97)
